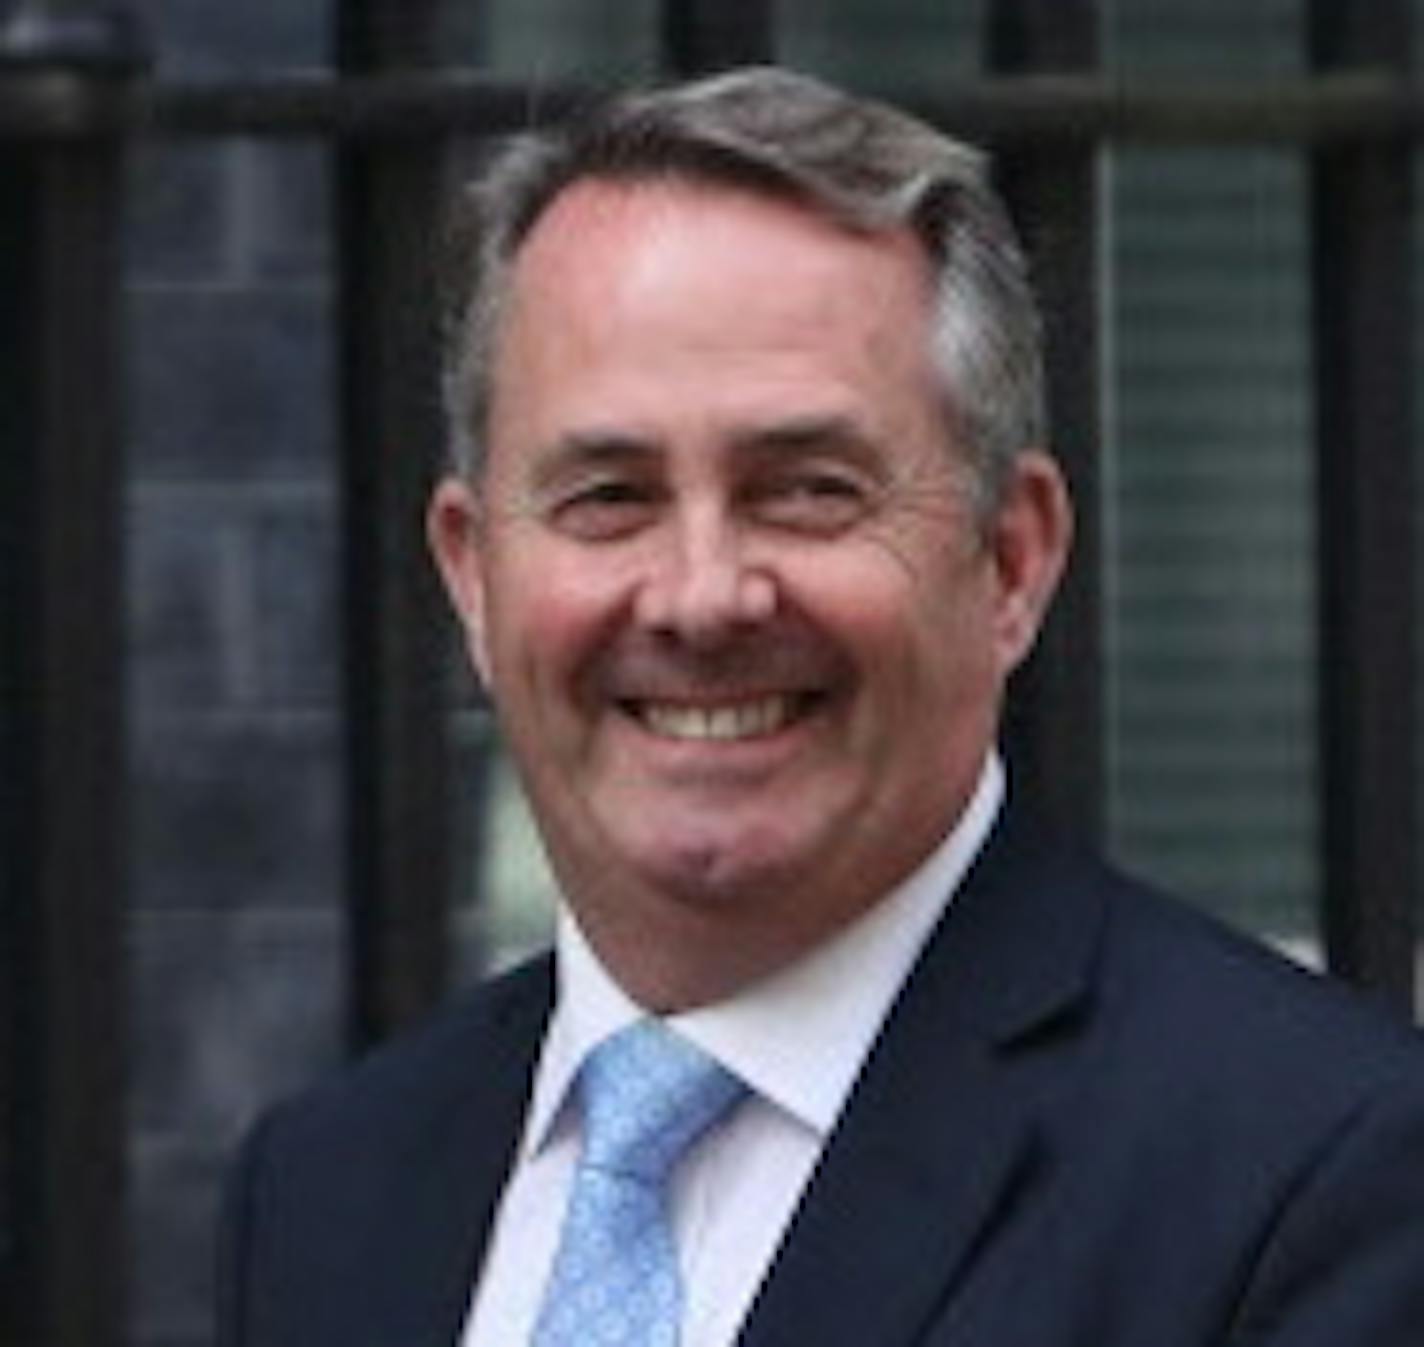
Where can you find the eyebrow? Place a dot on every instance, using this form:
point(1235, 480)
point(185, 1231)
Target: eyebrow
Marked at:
point(833, 432)
point(584, 450)
point(587, 450)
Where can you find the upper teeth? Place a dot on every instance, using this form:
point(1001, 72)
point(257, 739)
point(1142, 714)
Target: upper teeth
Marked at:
point(741, 720)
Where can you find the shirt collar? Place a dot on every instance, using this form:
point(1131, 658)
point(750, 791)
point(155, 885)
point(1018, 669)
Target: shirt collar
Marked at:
point(590, 1007)
point(799, 1037)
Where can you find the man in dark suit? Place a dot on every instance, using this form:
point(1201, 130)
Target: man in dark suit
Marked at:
point(750, 521)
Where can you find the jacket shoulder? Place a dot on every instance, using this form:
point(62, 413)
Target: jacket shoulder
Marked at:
point(419, 1076)
point(1233, 1016)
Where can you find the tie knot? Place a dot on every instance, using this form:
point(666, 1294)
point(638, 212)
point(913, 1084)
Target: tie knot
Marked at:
point(647, 1095)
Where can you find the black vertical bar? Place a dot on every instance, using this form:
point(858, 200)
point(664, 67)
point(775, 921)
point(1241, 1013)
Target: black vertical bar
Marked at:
point(1056, 721)
point(699, 36)
point(1362, 271)
point(391, 435)
point(62, 882)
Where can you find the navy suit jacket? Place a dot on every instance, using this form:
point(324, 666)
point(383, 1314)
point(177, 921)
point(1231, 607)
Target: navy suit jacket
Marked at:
point(1093, 1119)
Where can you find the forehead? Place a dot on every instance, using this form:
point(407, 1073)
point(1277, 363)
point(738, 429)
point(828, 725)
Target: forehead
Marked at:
point(601, 240)
point(705, 290)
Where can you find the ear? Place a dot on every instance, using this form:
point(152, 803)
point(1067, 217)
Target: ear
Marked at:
point(454, 528)
point(1030, 537)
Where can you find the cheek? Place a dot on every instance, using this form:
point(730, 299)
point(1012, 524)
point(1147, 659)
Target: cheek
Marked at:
point(927, 597)
point(547, 617)
point(937, 659)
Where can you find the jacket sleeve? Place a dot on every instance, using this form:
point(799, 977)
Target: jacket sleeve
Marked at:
point(1343, 1264)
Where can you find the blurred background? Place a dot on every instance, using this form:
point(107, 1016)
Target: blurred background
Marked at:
point(253, 815)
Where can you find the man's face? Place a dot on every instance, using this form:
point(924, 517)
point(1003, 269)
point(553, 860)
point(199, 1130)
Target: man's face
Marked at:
point(723, 576)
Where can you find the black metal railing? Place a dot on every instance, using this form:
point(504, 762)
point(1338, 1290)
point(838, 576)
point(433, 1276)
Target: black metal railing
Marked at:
point(61, 662)
point(75, 95)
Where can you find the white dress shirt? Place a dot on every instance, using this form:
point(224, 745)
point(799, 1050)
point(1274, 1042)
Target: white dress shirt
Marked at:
point(798, 1039)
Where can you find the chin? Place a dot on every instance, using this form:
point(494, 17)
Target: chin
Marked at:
point(727, 840)
point(708, 866)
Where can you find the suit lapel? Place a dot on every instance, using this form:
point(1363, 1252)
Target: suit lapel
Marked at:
point(446, 1184)
point(941, 1127)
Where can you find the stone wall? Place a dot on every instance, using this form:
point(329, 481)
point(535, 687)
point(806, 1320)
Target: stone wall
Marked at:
point(234, 938)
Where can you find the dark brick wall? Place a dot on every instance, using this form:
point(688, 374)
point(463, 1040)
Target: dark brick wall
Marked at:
point(235, 934)
point(198, 38)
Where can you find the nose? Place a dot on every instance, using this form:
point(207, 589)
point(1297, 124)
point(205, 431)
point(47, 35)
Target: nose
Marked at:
point(701, 587)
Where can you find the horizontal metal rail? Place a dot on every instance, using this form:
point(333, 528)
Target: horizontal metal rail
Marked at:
point(39, 102)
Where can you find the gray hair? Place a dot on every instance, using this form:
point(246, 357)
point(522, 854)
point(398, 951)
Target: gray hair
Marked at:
point(863, 164)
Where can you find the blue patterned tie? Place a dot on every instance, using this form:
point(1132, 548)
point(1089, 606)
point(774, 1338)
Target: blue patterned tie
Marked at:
point(647, 1095)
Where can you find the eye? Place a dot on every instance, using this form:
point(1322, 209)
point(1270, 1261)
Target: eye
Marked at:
point(819, 500)
point(604, 509)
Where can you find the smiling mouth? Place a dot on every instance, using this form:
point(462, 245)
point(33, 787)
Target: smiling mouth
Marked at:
point(727, 722)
